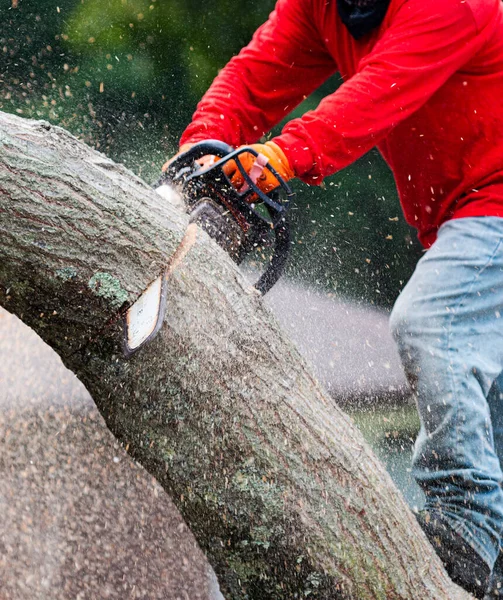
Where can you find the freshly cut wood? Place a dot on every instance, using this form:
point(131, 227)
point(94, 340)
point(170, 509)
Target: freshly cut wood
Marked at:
point(276, 483)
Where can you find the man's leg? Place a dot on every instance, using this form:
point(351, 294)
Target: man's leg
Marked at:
point(448, 323)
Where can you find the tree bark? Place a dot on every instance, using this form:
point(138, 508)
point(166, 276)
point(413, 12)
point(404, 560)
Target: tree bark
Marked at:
point(278, 486)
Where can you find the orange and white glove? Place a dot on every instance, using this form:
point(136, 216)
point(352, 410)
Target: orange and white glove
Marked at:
point(205, 161)
point(269, 153)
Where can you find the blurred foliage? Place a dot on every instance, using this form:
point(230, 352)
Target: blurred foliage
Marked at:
point(111, 69)
point(125, 76)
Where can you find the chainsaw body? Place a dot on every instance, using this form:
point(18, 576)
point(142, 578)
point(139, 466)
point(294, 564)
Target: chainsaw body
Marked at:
point(240, 221)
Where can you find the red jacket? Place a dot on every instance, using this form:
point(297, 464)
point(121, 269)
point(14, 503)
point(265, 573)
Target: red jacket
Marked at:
point(426, 87)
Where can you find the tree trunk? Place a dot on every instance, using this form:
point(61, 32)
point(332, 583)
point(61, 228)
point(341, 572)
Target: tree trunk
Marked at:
point(279, 488)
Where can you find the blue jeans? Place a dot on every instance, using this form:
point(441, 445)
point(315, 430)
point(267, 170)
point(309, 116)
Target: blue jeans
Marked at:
point(448, 323)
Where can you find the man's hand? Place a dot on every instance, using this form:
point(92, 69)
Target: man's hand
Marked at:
point(271, 154)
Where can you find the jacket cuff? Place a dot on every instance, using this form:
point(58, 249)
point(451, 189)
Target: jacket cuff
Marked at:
point(300, 157)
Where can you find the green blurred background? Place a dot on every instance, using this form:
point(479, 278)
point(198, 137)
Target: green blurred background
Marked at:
point(126, 75)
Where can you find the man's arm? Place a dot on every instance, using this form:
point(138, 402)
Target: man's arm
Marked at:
point(284, 62)
point(427, 42)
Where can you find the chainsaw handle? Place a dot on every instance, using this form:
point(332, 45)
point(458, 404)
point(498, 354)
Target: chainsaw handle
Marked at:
point(279, 258)
point(197, 151)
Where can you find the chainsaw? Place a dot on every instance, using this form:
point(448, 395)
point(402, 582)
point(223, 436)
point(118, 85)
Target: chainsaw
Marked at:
point(240, 220)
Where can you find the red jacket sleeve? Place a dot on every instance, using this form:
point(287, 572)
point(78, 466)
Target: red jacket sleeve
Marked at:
point(284, 62)
point(426, 42)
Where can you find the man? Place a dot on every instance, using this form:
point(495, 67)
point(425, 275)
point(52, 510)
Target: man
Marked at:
point(423, 80)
